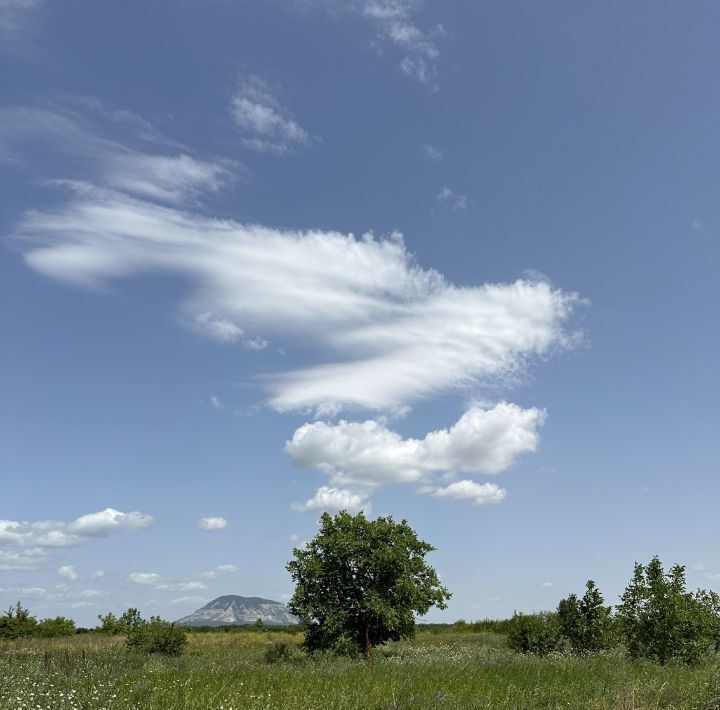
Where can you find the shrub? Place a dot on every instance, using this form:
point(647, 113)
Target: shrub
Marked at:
point(277, 652)
point(59, 626)
point(17, 623)
point(156, 636)
point(662, 621)
point(534, 633)
point(586, 623)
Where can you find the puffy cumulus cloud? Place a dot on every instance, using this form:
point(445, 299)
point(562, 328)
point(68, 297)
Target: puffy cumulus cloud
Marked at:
point(370, 454)
point(264, 123)
point(332, 500)
point(479, 493)
point(397, 332)
point(53, 533)
point(68, 572)
point(156, 581)
point(212, 523)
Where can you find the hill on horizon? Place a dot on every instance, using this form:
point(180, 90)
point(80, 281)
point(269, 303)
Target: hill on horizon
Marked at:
point(234, 610)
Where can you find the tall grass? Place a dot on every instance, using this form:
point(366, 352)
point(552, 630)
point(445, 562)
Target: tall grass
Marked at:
point(453, 669)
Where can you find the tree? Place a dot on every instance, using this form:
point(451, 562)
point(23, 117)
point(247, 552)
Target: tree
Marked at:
point(586, 622)
point(662, 621)
point(155, 636)
point(361, 582)
point(17, 622)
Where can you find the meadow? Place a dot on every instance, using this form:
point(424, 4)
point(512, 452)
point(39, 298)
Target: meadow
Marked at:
point(439, 668)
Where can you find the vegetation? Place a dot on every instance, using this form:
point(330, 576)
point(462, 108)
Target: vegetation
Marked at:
point(17, 622)
point(447, 669)
point(156, 636)
point(661, 620)
point(360, 583)
point(534, 633)
point(586, 623)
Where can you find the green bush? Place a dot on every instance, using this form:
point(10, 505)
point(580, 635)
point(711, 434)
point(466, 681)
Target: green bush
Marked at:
point(17, 623)
point(662, 621)
point(59, 626)
point(278, 652)
point(156, 636)
point(586, 623)
point(534, 633)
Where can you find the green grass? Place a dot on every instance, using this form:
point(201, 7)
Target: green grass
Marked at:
point(437, 670)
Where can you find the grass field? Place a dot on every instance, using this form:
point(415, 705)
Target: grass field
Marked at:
point(226, 671)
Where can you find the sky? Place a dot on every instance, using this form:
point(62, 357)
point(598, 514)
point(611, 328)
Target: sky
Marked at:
point(454, 262)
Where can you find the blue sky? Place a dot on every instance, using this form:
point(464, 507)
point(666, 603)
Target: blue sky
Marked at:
point(454, 262)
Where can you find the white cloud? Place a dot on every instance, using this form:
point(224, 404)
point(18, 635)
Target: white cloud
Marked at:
point(264, 123)
point(77, 128)
point(53, 533)
point(333, 500)
point(68, 572)
point(433, 153)
point(370, 454)
point(398, 332)
point(156, 581)
point(216, 402)
point(91, 593)
point(98, 574)
point(456, 202)
point(212, 523)
point(16, 17)
point(225, 331)
point(219, 571)
point(22, 560)
point(547, 584)
point(480, 494)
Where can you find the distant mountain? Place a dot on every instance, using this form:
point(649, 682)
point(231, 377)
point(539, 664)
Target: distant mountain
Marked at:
point(232, 610)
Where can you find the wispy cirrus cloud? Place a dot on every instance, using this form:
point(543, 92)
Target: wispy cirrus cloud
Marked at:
point(265, 124)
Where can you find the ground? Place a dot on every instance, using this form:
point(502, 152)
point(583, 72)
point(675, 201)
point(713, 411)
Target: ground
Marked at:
point(444, 670)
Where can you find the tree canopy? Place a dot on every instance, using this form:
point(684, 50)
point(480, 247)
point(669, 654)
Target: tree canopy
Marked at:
point(361, 582)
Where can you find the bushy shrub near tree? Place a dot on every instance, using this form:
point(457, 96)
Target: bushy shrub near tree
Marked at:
point(122, 625)
point(156, 636)
point(661, 620)
point(17, 622)
point(586, 623)
point(534, 633)
point(59, 626)
point(361, 582)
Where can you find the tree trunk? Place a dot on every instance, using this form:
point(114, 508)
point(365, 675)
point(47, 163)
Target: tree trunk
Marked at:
point(367, 645)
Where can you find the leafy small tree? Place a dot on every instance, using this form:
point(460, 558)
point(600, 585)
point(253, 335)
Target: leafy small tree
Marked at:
point(156, 636)
point(361, 582)
point(534, 633)
point(59, 626)
point(17, 622)
point(661, 620)
point(586, 622)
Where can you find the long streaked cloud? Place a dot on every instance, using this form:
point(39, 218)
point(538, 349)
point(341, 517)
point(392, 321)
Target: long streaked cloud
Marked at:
point(265, 124)
point(156, 581)
point(54, 533)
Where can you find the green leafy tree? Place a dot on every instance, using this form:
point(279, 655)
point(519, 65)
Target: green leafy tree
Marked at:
point(361, 582)
point(661, 620)
point(17, 622)
point(587, 622)
point(534, 633)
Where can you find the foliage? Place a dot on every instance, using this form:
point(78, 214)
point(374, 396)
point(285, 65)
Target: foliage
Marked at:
point(360, 582)
point(59, 626)
point(534, 633)
point(17, 623)
point(125, 624)
point(156, 636)
point(277, 652)
point(586, 623)
point(661, 620)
